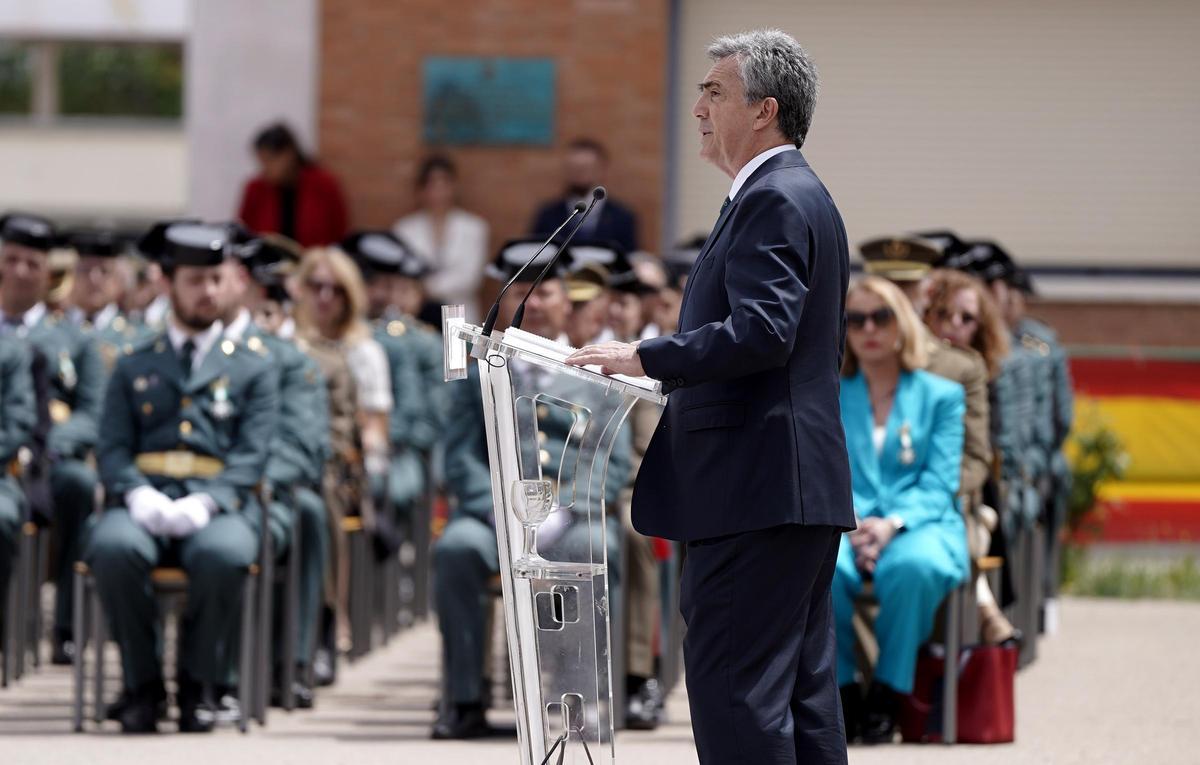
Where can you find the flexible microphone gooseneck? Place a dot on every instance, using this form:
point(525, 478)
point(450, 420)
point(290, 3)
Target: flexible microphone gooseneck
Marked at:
point(493, 313)
point(598, 193)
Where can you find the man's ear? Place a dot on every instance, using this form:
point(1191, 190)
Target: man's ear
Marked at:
point(768, 113)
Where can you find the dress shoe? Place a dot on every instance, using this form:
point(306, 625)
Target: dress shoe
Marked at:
point(195, 706)
point(62, 652)
point(645, 706)
point(852, 710)
point(302, 693)
point(139, 713)
point(879, 721)
point(224, 705)
point(324, 667)
point(154, 690)
point(462, 721)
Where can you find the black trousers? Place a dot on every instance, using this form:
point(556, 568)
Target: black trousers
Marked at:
point(760, 649)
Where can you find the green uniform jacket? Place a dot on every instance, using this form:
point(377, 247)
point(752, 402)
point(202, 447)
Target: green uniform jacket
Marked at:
point(468, 475)
point(18, 413)
point(301, 443)
point(76, 384)
point(227, 409)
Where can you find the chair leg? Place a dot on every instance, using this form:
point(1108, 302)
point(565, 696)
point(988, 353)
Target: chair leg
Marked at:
point(262, 625)
point(41, 559)
point(360, 598)
point(79, 662)
point(20, 616)
point(246, 653)
point(98, 637)
point(8, 666)
point(950, 671)
point(291, 619)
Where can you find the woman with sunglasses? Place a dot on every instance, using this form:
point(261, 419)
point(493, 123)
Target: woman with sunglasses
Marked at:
point(904, 435)
point(331, 325)
point(962, 312)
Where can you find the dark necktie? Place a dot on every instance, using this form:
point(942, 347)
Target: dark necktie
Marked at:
point(186, 353)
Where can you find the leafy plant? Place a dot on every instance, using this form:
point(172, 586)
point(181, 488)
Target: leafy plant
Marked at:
point(1098, 456)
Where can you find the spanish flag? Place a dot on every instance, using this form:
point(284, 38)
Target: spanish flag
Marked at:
point(1153, 406)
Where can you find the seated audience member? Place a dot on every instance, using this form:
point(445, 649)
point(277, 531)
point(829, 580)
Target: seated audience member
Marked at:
point(904, 435)
point(292, 194)
point(465, 558)
point(18, 415)
point(587, 289)
point(962, 314)
point(75, 379)
point(584, 168)
point(449, 240)
point(331, 322)
point(188, 417)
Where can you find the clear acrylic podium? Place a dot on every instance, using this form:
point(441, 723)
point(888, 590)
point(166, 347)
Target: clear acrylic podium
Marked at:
point(556, 599)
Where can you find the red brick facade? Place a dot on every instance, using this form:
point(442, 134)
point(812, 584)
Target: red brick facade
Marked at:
point(611, 60)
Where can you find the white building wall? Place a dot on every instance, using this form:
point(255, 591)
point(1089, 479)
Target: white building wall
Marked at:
point(248, 63)
point(1065, 130)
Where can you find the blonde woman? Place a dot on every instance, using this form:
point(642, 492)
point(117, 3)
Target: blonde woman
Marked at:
point(330, 315)
point(904, 436)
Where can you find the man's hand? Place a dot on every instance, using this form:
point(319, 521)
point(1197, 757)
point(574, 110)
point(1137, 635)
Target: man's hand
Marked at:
point(612, 357)
point(149, 508)
point(188, 515)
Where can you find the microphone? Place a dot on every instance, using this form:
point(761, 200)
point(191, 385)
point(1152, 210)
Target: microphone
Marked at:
point(598, 193)
point(493, 313)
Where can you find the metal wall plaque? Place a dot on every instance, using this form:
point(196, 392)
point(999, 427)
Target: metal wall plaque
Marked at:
point(490, 101)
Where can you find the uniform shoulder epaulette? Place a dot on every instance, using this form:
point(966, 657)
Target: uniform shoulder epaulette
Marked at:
point(256, 344)
point(152, 342)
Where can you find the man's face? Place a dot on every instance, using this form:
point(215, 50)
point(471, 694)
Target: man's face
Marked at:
point(625, 315)
point(584, 170)
point(97, 283)
point(380, 289)
point(24, 276)
point(1003, 297)
point(666, 315)
point(196, 295)
point(587, 320)
point(546, 312)
point(726, 120)
point(408, 295)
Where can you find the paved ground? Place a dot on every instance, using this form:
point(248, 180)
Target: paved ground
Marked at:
point(1119, 684)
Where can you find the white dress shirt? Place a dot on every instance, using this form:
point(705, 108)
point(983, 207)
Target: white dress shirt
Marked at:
point(457, 263)
point(204, 341)
point(236, 329)
point(749, 168)
point(101, 320)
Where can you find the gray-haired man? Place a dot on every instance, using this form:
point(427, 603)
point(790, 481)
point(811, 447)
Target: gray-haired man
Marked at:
point(748, 465)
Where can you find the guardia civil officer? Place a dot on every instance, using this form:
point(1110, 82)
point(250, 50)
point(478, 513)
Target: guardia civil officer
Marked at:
point(75, 385)
point(189, 416)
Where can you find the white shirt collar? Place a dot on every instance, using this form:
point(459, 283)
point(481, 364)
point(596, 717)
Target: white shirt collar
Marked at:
point(102, 318)
point(749, 168)
point(237, 328)
point(204, 340)
point(31, 317)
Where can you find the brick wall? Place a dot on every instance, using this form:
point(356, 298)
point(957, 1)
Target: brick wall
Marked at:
point(1122, 323)
point(611, 82)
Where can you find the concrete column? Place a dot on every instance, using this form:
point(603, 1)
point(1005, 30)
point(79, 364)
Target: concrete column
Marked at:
point(247, 64)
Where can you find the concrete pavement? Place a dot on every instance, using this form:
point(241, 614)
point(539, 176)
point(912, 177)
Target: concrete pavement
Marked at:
point(1118, 684)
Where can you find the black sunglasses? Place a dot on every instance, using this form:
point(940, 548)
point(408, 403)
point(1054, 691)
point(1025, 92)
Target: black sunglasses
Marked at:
point(881, 317)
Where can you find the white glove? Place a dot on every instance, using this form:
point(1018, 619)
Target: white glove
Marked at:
point(148, 507)
point(187, 515)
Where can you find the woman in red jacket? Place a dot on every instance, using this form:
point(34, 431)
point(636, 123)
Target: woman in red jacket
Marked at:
point(292, 195)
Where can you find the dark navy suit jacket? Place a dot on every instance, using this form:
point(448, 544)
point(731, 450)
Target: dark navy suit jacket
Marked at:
point(615, 223)
point(752, 434)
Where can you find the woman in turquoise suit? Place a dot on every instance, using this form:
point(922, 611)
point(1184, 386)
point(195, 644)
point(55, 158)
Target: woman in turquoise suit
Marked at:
point(904, 435)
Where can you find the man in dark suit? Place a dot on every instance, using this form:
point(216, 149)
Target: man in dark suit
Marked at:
point(611, 221)
point(749, 462)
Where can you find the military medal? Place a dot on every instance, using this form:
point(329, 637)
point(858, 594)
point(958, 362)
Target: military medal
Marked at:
point(220, 391)
point(140, 384)
point(907, 455)
point(66, 370)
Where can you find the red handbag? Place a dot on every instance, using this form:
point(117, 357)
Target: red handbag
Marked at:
point(985, 696)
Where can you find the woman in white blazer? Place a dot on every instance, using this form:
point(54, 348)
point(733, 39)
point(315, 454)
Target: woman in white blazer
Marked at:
point(451, 240)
